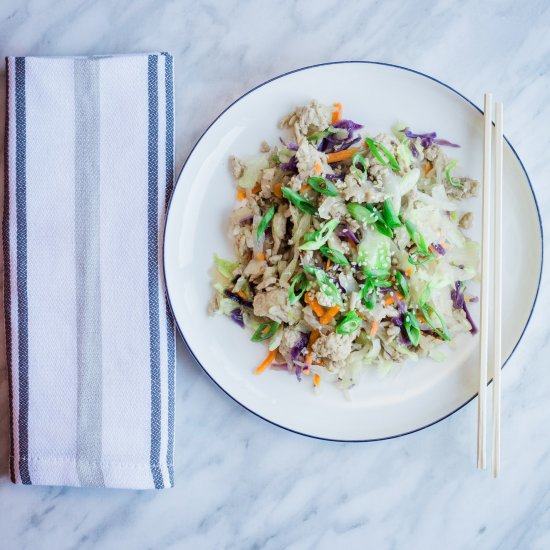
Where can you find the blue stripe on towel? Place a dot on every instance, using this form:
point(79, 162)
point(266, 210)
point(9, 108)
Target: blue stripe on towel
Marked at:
point(153, 236)
point(7, 270)
point(22, 301)
point(169, 81)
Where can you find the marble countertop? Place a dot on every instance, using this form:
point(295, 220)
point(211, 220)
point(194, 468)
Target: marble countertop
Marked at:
point(241, 482)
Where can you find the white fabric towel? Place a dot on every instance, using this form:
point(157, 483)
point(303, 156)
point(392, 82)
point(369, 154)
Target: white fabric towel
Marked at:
point(89, 337)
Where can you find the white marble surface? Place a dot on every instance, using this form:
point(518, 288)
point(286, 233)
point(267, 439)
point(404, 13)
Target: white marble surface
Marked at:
point(242, 483)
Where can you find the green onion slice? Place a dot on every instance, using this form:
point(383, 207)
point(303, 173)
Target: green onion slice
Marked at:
point(265, 331)
point(384, 229)
point(264, 222)
point(323, 186)
point(316, 239)
point(434, 319)
point(298, 287)
point(368, 294)
point(416, 237)
point(390, 214)
point(358, 161)
point(328, 288)
point(360, 213)
point(412, 328)
point(432, 316)
point(450, 167)
point(349, 323)
point(381, 283)
point(402, 284)
point(374, 273)
point(298, 201)
point(334, 255)
point(377, 149)
point(419, 259)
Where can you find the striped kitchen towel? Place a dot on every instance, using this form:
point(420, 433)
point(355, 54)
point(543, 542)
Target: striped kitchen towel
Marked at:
point(89, 337)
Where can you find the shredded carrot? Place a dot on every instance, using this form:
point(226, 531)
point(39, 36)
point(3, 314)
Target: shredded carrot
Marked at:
point(432, 249)
point(313, 336)
point(329, 315)
point(306, 370)
point(242, 294)
point(256, 188)
point(342, 155)
point(260, 256)
point(336, 113)
point(265, 364)
point(309, 359)
point(374, 327)
point(328, 264)
point(304, 188)
point(317, 168)
point(362, 316)
point(391, 299)
point(314, 305)
point(427, 167)
point(409, 271)
point(241, 194)
point(316, 379)
point(277, 190)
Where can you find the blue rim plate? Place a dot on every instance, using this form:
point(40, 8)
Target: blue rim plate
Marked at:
point(190, 240)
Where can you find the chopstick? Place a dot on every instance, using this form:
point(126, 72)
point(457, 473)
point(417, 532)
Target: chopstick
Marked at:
point(497, 288)
point(484, 305)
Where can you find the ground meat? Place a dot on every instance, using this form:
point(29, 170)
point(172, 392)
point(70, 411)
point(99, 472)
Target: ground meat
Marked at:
point(266, 182)
point(332, 346)
point(306, 119)
point(274, 304)
point(323, 299)
point(468, 188)
point(355, 190)
point(237, 167)
point(432, 152)
point(265, 147)
point(466, 220)
point(307, 157)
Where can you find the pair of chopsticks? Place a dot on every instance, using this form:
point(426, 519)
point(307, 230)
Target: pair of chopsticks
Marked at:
point(492, 202)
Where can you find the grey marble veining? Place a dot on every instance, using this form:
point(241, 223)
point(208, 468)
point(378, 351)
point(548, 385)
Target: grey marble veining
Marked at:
point(242, 483)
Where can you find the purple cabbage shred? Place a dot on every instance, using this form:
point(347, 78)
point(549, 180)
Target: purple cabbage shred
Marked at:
point(346, 233)
point(236, 298)
point(348, 125)
point(237, 316)
point(428, 139)
point(457, 296)
point(300, 344)
point(290, 145)
point(290, 166)
point(439, 249)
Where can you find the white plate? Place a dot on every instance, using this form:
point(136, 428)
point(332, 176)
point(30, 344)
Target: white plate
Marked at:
point(416, 394)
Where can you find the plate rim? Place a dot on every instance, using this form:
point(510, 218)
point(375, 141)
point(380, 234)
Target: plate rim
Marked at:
point(328, 63)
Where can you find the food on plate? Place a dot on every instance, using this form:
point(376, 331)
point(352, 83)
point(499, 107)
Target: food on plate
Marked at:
point(350, 248)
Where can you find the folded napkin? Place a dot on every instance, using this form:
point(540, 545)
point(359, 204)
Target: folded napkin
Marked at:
point(89, 337)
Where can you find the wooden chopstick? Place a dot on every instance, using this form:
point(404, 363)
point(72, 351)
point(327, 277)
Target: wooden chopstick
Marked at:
point(485, 256)
point(497, 287)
